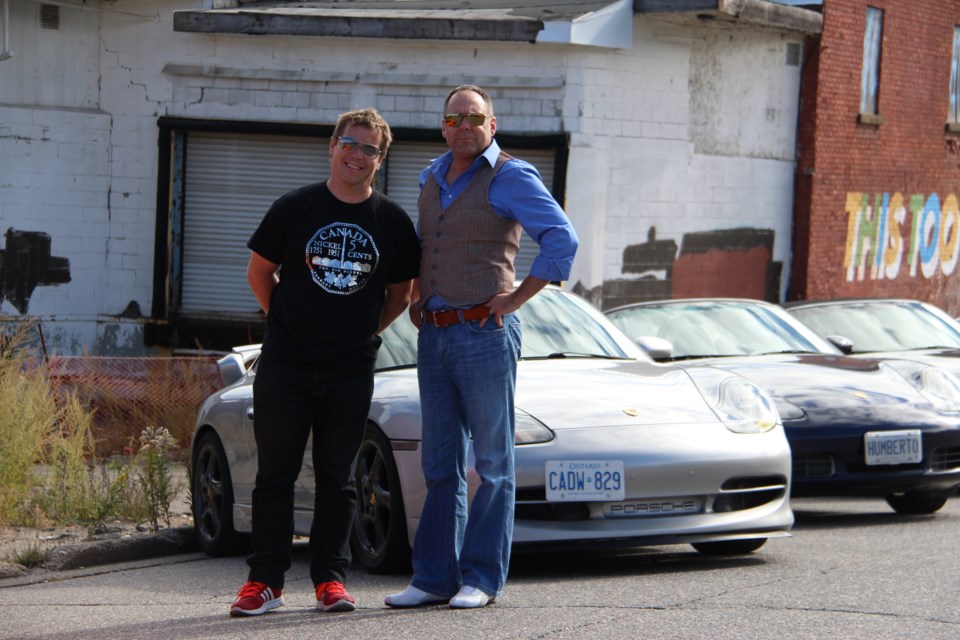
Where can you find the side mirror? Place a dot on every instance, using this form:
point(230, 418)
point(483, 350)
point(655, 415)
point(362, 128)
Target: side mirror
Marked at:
point(231, 368)
point(657, 348)
point(840, 342)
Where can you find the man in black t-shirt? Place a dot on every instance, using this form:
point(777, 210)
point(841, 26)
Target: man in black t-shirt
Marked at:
point(331, 265)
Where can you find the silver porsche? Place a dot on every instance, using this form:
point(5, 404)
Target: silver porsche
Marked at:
point(611, 449)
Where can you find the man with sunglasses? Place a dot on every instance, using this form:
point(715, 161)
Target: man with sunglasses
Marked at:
point(331, 265)
point(474, 201)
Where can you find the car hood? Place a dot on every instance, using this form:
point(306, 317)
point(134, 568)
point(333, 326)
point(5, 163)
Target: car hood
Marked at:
point(570, 394)
point(565, 394)
point(946, 359)
point(824, 381)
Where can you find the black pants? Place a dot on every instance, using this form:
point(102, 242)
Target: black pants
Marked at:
point(290, 404)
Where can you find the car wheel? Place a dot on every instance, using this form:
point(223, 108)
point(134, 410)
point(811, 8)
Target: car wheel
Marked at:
point(379, 540)
point(917, 503)
point(212, 494)
point(729, 547)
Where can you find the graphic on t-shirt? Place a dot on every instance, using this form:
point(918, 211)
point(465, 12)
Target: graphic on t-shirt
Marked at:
point(341, 257)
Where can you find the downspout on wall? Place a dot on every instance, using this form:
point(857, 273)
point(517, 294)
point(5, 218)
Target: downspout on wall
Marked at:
point(5, 53)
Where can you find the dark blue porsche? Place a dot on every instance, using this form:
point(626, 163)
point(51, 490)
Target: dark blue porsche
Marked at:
point(885, 328)
point(857, 427)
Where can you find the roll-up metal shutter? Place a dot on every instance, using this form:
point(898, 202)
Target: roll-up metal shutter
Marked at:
point(230, 182)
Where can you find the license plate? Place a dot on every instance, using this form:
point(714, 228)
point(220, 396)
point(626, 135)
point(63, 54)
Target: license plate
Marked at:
point(584, 480)
point(893, 447)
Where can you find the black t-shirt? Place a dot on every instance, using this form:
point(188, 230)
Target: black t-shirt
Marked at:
point(335, 260)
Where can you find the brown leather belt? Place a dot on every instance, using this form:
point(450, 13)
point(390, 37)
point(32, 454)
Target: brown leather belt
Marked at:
point(449, 317)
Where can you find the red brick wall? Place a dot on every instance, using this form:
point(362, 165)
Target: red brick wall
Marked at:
point(909, 154)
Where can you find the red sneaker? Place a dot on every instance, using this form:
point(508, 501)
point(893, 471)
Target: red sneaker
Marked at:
point(255, 598)
point(331, 596)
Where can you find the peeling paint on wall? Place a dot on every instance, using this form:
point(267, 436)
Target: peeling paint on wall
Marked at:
point(724, 262)
point(729, 262)
point(26, 264)
point(891, 237)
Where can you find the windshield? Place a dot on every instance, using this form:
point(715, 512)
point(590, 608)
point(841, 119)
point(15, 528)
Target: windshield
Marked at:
point(710, 328)
point(884, 326)
point(554, 324)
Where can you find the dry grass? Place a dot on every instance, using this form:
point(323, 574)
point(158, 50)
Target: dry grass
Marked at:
point(53, 444)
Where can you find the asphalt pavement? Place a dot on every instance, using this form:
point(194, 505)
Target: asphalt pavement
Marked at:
point(853, 569)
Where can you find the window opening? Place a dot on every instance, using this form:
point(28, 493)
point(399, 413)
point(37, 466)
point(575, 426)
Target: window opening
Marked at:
point(870, 78)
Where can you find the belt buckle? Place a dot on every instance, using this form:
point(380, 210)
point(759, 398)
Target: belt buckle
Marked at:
point(430, 317)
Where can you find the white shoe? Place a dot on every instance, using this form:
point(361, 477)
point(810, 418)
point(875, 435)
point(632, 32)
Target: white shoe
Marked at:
point(470, 598)
point(412, 597)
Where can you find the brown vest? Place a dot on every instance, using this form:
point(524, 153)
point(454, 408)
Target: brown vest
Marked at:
point(468, 250)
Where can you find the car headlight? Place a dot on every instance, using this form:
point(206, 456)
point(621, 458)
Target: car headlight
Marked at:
point(941, 388)
point(788, 410)
point(743, 407)
point(529, 430)
point(938, 387)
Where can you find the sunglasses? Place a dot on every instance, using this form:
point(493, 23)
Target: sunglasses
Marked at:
point(349, 144)
point(454, 119)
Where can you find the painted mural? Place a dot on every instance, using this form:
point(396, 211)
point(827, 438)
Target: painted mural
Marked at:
point(26, 264)
point(890, 236)
point(723, 262)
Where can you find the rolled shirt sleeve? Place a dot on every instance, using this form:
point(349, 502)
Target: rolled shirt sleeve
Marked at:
point(517, 192)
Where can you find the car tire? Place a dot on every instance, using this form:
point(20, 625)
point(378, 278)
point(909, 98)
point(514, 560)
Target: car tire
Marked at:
point(379, 540)
point(918, 503)
point(212, 499)
point(729, 547)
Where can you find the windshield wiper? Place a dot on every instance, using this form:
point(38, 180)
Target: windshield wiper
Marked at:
point(787, 352)
point(935, 346)
point(573, 354)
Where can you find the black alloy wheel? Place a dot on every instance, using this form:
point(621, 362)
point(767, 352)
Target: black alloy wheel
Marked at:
point(379, 540)
point(212, 494)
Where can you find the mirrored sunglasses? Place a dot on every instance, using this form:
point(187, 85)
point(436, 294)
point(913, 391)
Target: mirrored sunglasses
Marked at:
point(349, 144)
point(454, 119)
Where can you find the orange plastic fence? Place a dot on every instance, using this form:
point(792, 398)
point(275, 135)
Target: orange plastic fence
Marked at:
point(128, 394)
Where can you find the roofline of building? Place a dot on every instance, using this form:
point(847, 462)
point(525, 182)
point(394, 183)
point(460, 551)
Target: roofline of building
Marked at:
point(605, 24)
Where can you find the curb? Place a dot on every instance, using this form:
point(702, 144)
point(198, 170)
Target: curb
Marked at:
point(164, 543)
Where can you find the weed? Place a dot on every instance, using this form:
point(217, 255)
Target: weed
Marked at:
point(156, 444)
point(29, 425)
point(32, 556)
point(109, 500)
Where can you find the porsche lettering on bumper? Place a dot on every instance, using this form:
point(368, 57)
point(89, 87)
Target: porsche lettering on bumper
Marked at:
point(641, 508)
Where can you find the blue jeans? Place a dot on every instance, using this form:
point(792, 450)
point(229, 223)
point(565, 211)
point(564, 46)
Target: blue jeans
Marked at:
point(467, 378)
